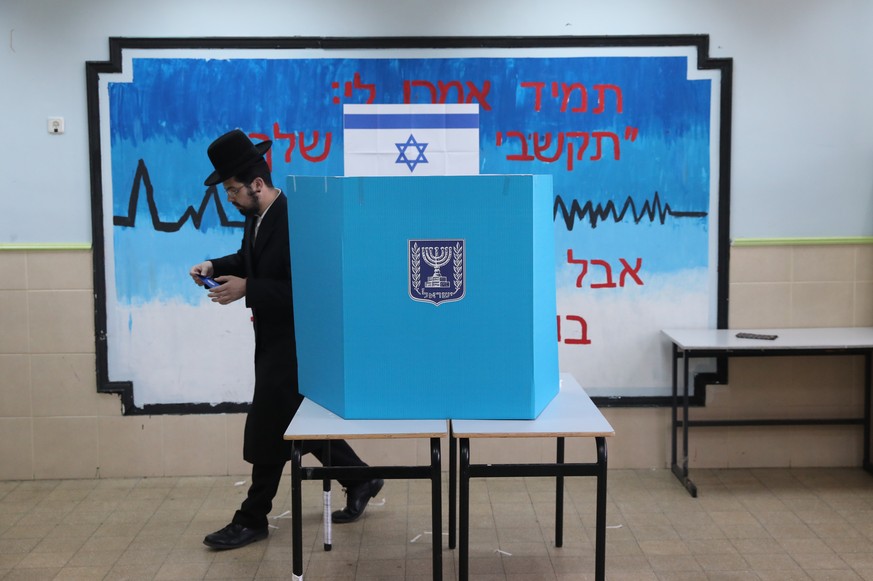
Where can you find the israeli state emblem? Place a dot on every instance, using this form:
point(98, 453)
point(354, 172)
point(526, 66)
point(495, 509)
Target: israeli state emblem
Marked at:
point(437, 270)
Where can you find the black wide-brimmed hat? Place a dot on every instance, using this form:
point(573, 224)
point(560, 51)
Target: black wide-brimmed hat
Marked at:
point(231, 153)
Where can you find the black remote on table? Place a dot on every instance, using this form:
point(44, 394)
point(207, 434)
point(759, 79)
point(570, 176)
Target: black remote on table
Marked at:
point(744, 335)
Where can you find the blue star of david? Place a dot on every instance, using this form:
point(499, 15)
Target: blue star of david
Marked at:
point(403, 158)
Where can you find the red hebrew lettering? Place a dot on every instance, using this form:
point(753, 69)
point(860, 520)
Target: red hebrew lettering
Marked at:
point(626, 269)
point(440, 92)
point(568, 90)
point(305, 149)
point(540, 148)
point(601, 98)
point(573, 135)
point(609, 282)
point(599, 135)
point(583, 324)
point(408, 86)
point(446, 87)
point(358, 85)
point(581, 261)
point(524, 155)
point(543, 143)
point(558, 318)
point(480, 96)
point(277, 135)
point(538, 92)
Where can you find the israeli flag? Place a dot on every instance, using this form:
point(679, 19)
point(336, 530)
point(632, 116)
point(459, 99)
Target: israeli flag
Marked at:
point(411, 140)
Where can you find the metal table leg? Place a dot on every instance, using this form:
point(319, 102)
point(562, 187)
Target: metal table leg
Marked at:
point(436, 508)
point(464, 511)
point(559, 497)
point(453, 487)
point(681, 472)
point(868, 378)
point(600, 526)
point(296, 513)
point(325, 491)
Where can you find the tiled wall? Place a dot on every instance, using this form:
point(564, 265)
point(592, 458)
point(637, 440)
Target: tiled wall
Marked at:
point(54, 424)
point(791, 286)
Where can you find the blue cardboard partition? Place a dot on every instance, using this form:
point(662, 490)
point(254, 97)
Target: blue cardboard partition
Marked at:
point(425, 297)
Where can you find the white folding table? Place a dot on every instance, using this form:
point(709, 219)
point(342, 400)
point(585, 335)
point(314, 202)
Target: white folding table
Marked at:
point(313, 422)
point(691, 343)
point(571, 414)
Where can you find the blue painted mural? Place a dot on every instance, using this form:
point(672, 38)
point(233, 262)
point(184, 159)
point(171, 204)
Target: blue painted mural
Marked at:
point(628, 138)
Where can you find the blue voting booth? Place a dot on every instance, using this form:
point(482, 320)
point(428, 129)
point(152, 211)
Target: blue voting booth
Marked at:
point(425, 297)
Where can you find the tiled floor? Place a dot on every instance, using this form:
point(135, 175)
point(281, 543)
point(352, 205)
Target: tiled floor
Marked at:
point(746, 524)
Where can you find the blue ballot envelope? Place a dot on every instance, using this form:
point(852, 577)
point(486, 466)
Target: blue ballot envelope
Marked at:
point(425, 297)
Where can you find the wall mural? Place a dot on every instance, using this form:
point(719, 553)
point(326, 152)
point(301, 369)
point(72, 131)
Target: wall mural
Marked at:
point(634, 130)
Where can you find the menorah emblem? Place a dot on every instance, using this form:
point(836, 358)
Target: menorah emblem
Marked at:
point(437, 270)
point(437, 257)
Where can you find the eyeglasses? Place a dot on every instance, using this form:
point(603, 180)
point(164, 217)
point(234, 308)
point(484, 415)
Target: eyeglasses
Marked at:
point(233, 192)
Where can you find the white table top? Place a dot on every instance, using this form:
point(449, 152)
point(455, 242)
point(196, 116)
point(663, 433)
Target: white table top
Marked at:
point(570, 414)
point(313, 422)
point(807, 338)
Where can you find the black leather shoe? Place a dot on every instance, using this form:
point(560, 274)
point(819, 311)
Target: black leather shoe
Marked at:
point(356, 501)
point(234, 536)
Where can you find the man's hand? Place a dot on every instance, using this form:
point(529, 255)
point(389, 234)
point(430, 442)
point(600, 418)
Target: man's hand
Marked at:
point(231, 288)
point(202, 269)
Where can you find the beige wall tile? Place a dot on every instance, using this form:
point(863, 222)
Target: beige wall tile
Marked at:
point(745, 449)
point(795, 446)
point(760, 264)
point(400, 452)
point(760, 385)
point(131, 446)
point(64, 384)
point(61, 321)
point(642, 437)
point(65, 447)
point(822, 304)
point(828, 263)
point(109, 404)
point(827, 446)
point(863, 304)
point(13, 270)
point(707, 448)
point(13, 321)
point(864, 263)
point(757, 305)
point(581, 450)
point(422, 454)
point(235, 428)
point(15, 386)
point(195, 444)
point(67, 270)
point(16, 448)
point(499, 450)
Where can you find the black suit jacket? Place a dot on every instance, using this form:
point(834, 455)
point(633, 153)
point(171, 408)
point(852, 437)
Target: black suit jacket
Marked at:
point(266, 266)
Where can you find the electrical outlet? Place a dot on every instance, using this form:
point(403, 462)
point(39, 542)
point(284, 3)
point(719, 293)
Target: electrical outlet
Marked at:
point(56, 125)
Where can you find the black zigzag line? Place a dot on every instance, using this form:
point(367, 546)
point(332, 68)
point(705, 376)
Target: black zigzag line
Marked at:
point(141, 179)
point(652, 209)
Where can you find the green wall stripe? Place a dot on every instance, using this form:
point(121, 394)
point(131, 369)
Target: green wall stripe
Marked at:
point(30, 246)
point(45, 246)
point(801, 241)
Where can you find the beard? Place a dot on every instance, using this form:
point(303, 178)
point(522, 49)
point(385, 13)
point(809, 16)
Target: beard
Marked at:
point(250, 210)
